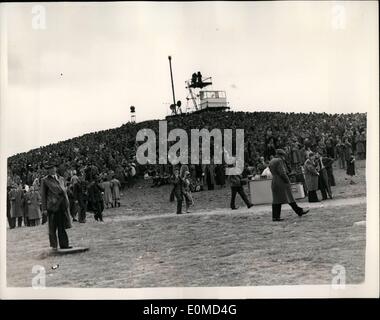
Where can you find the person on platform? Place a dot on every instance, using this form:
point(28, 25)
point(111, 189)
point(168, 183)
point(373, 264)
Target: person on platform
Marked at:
point(194, 79)
point(311, 178)
point(281, 190)
point(199, 79)
point(55, 205)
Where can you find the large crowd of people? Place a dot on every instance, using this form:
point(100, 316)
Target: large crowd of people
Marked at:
point(96, 167)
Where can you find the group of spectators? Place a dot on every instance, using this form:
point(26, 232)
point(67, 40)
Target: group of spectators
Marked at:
point(111, 154)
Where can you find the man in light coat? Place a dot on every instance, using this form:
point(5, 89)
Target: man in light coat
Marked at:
point(16, 196)
point(311, 178)
point(281, 190)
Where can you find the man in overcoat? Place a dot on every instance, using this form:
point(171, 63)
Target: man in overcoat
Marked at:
point(55, 205)
point(311, 178)
point(16, 196)
point(281, 190)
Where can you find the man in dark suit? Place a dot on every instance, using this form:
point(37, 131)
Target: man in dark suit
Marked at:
point(81, 196)
point(55, 206)
point(323, 179)
point(236, 184)
point(281, 190)
point(177, 191)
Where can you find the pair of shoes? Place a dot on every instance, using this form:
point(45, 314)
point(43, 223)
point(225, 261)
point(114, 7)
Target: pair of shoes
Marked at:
point(250, 205)
point(277, 219)
point(234, 208)
point(75, 220)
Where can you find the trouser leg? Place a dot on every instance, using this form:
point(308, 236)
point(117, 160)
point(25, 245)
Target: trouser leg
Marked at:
point(296, 208)
point(244, 196)
point(276, 211)
point(312, 195)
point(19, 222)
point(179, 206)
point(342, 163)
point(98, 211)
point(101, 208)
point(323, 191)
point(62, 235)
point(179, 203)
point(82, 212)
point(74, 210)
point(233, 197)
point(12, 223)
point(52, 225)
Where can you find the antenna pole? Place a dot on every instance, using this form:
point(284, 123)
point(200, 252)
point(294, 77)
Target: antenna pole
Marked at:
point(171, 76)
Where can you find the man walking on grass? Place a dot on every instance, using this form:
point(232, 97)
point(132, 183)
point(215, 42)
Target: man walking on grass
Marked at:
point(281, 190)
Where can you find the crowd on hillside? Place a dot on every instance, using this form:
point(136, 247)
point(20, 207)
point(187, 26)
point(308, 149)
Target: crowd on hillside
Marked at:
point(111, 153)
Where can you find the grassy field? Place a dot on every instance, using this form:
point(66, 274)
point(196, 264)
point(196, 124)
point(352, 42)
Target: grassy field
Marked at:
point(144, 244)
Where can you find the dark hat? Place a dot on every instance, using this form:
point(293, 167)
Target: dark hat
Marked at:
point(49, 164)
point(280, 152)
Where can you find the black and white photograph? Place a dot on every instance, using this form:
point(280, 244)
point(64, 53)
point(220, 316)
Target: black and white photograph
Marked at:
point(189, 150)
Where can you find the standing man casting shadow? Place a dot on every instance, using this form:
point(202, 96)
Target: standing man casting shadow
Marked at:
point(55, 205)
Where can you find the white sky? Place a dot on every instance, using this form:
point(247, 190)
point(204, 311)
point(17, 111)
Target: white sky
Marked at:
point(281, 56)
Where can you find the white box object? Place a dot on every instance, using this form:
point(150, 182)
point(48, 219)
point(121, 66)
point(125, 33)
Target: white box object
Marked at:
point(260, 191)
point(297, 190)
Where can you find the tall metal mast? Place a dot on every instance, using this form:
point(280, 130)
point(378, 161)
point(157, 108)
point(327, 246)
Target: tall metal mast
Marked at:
point(171, 77)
